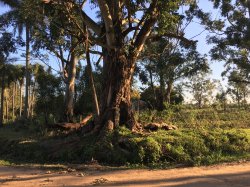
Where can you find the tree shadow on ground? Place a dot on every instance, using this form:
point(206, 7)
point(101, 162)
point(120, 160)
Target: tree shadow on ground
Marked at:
point(101, 178)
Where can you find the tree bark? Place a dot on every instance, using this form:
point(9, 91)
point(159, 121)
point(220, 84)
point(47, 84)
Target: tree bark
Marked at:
point(238, 97)
point(162, 93)
point(70, 89)
point(21, 100)
point(27, 72)
point(200, 102)
point(169, 91)
point(32, 100)
point(6, 108)
point(13, 100)
point(116, 108)
point(2, 99)
point(152, 86)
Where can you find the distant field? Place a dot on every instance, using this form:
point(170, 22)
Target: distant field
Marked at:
point(210, 117)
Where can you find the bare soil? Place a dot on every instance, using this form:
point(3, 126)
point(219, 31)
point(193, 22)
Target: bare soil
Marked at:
point(233, 175)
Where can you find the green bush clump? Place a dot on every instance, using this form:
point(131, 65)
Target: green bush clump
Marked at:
point(151, 149)
point(238, 142)
point(228, 142)
point(187, 146)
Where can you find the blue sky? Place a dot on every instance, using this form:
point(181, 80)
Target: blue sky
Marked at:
point(192, 30)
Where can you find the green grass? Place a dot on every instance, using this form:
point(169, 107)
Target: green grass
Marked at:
point(194, 118)
point(204, 137)
point(247, 131)
point(5, 163)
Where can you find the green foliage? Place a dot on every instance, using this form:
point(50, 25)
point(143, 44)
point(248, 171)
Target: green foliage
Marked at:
point(83, 103)
point(189, 147)
point(230, 35)
point(26, 143)
point(149, 96)
point(201, 88)
point(237, 87)
point(204, 136)
point(151, 149)
point(49, 93)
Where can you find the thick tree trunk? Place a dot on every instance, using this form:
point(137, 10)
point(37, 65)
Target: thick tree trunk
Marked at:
point(116, 108)
point(70, 89)
point(27, 72)
point(169, 91)
point(2, 100)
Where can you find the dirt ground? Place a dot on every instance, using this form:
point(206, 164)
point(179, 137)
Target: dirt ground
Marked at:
point(233, 175)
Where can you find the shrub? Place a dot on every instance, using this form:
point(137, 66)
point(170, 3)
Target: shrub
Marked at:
point(152, 150)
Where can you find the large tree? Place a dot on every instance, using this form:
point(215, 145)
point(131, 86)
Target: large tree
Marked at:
point(170, 60)
point(59, 34)
point(68, 52)
point(122, 31)
point(229, 34)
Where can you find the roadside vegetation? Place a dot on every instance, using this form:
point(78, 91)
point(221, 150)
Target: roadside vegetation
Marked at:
point(204, 136)
point(121, 82)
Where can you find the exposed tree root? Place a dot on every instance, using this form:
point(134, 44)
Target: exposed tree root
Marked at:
point(74, 126)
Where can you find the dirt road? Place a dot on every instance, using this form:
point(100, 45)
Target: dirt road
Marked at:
point(233, 175)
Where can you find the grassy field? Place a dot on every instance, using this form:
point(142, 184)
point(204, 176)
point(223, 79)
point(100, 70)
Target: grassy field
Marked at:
point(203, 137)
point(198, 118)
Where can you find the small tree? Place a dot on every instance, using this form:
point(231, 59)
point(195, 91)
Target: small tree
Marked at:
point(221, 97)
point(49, 94)
point(201, 87)
point(237, 87)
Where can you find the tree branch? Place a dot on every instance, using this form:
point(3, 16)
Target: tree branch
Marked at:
point(172, 35)
point(96, 52)
point(107, 17)
point(91, 24)
point(86, 19)
point(146, 28)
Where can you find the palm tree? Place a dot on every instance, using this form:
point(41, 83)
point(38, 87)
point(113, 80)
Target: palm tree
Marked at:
point(20, 22)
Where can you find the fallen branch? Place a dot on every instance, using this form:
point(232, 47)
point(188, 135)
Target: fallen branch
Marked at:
point(74, 126)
